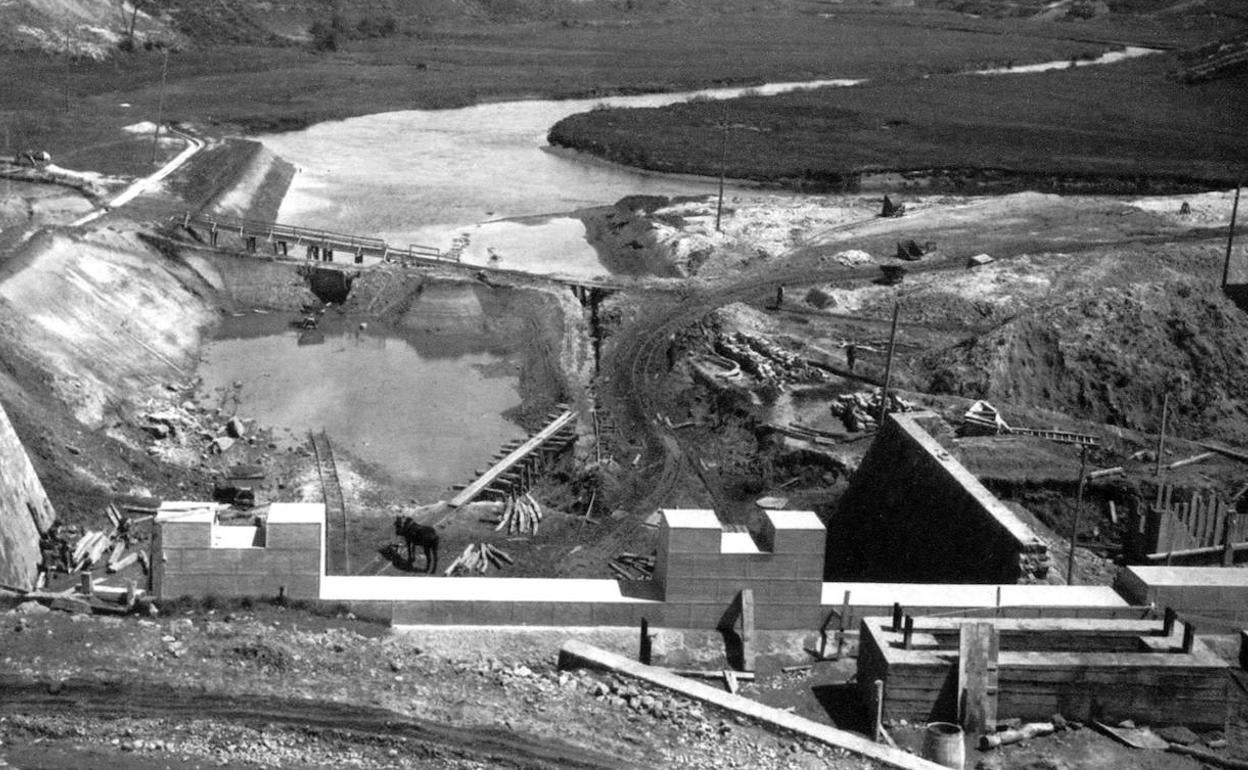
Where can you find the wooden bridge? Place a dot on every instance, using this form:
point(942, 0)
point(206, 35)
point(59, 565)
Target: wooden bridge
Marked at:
point(513, 473)
point(320, 244)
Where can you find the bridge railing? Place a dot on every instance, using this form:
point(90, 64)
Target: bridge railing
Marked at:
point(275, 231)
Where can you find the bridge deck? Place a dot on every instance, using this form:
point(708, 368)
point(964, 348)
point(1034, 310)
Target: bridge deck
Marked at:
point(515, 456)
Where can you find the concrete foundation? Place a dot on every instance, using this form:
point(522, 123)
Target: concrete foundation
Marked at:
point(914, 513)
point(1082, 669)
point(25, 511)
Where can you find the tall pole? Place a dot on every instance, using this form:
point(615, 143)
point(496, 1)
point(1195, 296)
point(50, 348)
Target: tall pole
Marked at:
point(1230, 237)
point(723, 168)
point(1074, 527)
point(888, 365)
point(160, 108)
point(1161, 439)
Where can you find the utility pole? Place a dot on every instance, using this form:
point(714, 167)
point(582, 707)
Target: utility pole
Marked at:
point(723, 168)
point(160, 108)
point(68, 55)
point(888, 366)
point(1230, 237)
point(1161, 439)
point(1074, 527)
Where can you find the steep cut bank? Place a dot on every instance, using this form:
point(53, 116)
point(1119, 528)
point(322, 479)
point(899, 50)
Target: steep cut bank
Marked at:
point(1110, 354)
point(101, 316)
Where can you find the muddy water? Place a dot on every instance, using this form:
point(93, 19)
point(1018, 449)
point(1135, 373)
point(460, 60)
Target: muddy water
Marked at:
point(479, 175)
point(424, 408)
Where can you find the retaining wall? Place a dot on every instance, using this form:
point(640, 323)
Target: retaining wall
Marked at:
point(914, 513)
point(24, 510)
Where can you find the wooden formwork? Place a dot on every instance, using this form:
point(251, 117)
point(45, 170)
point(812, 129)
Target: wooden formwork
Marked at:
point(1081, 668)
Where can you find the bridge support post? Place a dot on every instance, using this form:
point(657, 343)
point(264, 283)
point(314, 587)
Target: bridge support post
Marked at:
point(212, 236)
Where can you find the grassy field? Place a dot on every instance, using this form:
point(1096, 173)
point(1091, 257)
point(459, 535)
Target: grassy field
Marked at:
point(74, 109)
point(1123, 126)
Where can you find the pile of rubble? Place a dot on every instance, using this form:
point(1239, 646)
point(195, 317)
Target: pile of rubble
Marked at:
point(858, 411)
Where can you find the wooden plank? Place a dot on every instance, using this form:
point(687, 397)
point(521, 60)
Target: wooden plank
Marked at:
point(747, 629)
point(512, 458)
point(977, 677)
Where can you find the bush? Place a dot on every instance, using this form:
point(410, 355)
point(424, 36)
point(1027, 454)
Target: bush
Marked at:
point(324, 36)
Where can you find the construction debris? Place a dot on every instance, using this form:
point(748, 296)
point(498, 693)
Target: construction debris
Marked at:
point(642, 567)
point(858, 411)
point(1006, 737)
point(891, 210)
point(478, 557)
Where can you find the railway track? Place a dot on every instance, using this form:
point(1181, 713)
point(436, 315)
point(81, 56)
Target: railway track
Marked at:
point(637, 364)
point(337, 555)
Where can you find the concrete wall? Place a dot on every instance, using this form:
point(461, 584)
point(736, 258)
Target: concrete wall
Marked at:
point(914, 513)
point(699, 573)
point(193, 555)
point(1212, 593)
point(24, 510)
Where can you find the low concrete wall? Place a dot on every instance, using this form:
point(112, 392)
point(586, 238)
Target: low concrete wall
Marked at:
point(24, 510)
point(193, 555)
point(914, 513)
point(1212, 593)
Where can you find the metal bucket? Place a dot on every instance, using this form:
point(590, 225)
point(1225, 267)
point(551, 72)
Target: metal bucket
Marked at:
point(943, 744)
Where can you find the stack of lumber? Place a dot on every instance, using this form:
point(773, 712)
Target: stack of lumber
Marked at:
point(630, 566)
point(478, 557)
point(521, 514)
point(109, 549)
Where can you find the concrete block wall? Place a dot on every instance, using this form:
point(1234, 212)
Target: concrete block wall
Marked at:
point(913, 513)
point(701, 570)
point(25, 511)
point(194, 555)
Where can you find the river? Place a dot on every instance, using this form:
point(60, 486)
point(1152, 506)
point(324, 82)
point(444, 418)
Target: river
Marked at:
point(482, 180)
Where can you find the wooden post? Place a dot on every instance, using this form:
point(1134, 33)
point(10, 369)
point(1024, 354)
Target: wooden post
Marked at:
point(747, 629)
point(1228, 537)
point(908, 632)
point(645, 651)
point(1161, 439)
point(85, 585)
point(1230, 238)
point(1189, 636)
point(977, 677)
point(896, 616)
point(888, 366)
point(840, 634)
point(1167, 622)
point(1074, 527)
point(879, 708)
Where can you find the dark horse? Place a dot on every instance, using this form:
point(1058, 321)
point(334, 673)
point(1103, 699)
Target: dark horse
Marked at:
point(416, 534)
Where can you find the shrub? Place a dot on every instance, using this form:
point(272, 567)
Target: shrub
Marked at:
point(324, 36)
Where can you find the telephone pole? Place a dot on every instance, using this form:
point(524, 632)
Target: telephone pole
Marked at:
point(888, 366)
point(160, 108)
point(1230, 237)
point(723, 168)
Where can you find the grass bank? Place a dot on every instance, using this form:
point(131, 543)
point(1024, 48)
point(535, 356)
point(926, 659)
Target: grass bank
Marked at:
point(1119, 127)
